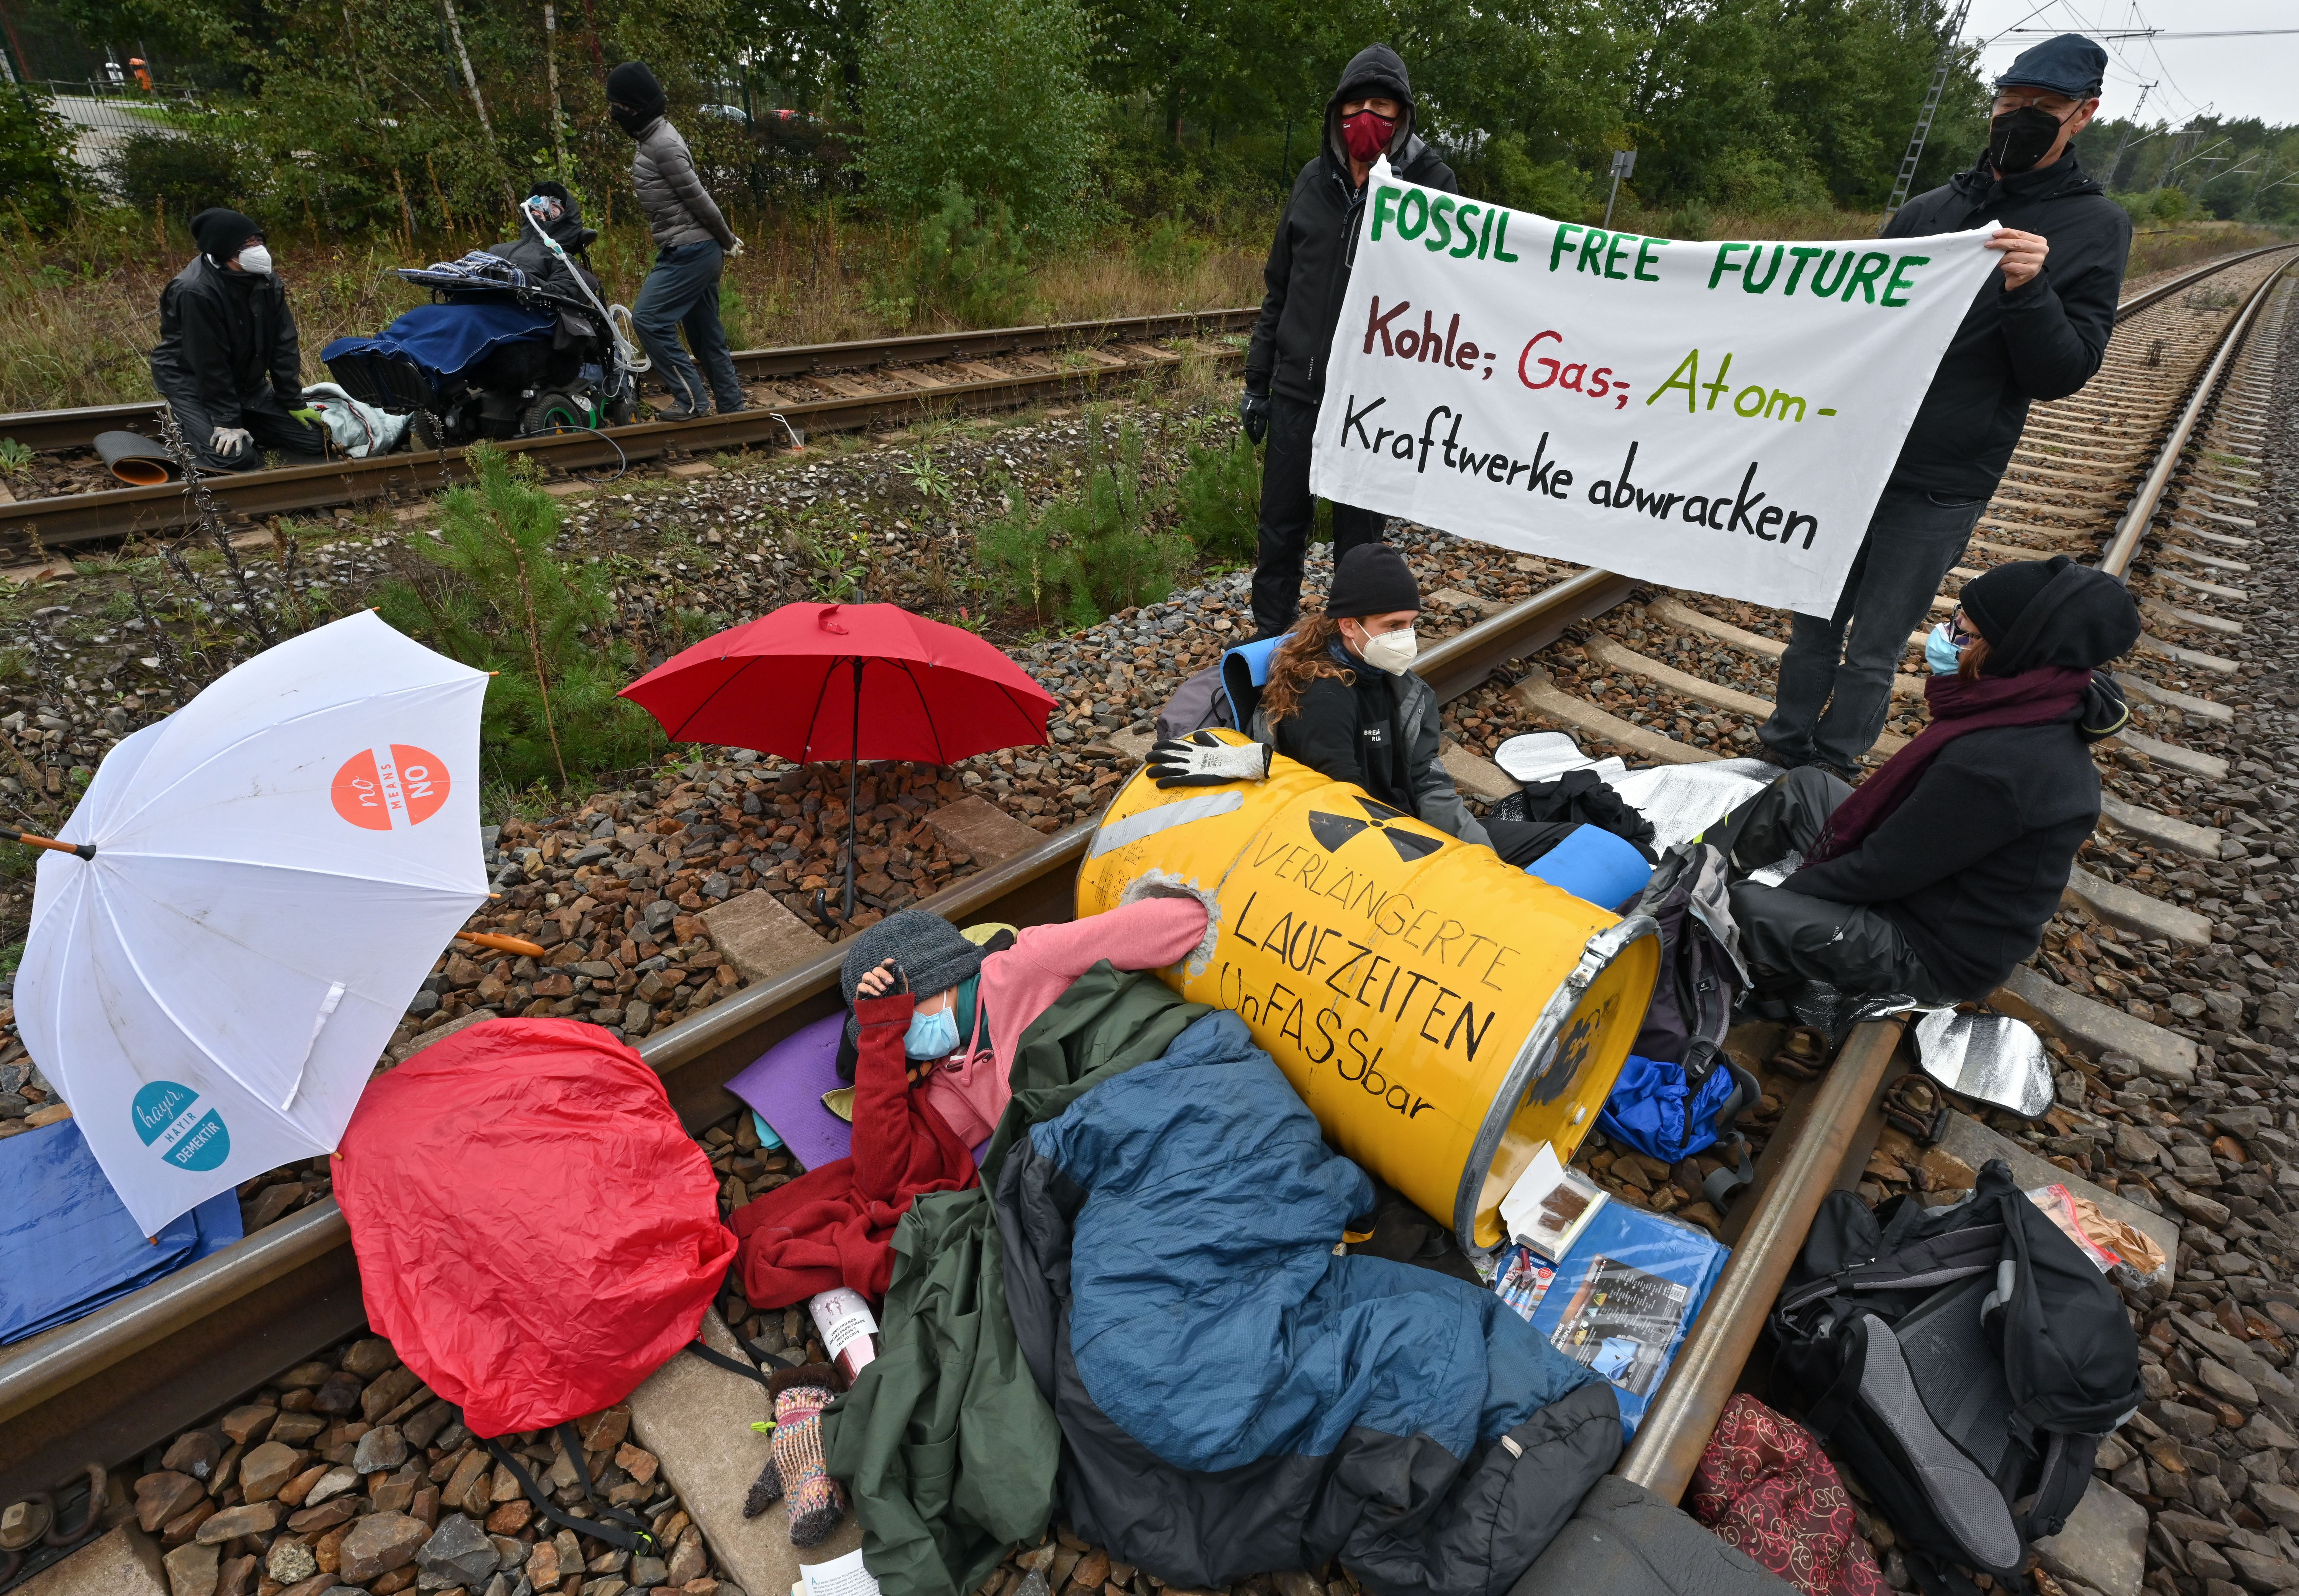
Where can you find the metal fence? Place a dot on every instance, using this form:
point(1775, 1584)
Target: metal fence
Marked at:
point(103, 115)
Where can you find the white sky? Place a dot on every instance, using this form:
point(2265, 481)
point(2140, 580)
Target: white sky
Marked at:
point(2231, 77)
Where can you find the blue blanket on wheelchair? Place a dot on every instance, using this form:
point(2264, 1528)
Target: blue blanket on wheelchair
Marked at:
point(448, 340)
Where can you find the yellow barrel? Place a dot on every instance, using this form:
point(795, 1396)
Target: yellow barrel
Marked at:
point(1442, 1013)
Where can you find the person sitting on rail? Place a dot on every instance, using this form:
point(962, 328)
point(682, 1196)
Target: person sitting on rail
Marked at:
point(227, 361)
point(2038, 332)
point(1937, 875)
point(1341, 698)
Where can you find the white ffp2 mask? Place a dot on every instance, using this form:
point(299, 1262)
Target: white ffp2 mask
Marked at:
point(1392, 652)
point(255, 258)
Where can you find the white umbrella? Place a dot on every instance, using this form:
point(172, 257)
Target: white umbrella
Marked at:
point(275, 866)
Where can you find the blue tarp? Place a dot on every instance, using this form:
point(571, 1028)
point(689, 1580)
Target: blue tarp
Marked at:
point(449, 339)
point(67, 1245)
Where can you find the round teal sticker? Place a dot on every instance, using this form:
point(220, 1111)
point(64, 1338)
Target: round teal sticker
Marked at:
point(175, 1119)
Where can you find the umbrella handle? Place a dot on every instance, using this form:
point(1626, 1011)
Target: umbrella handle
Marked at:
point(10, 833)
point(504, 945)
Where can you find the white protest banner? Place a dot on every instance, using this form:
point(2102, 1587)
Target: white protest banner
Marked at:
point(1716, 416)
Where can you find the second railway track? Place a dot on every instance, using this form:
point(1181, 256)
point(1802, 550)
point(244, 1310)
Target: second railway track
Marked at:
point(2152, 471)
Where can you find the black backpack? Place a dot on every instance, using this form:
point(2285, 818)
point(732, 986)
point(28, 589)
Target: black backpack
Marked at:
point(1964, 1362)
point(1701, 973)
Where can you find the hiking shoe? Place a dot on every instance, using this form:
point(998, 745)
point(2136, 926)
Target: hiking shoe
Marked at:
point(676, 412)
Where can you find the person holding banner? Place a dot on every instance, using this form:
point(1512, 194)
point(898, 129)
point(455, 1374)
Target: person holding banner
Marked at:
point(1370, 115)
point(1937, 875)
point(2036, 333)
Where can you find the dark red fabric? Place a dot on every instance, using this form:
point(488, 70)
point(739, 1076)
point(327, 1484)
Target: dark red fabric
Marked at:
point(786, 684)
point(537, 1234)
point(2032, 698)
point(1367, 133)
point(1764, 1486)
point(832, 1226)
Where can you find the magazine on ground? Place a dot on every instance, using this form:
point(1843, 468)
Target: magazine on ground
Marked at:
point(1550, 1205)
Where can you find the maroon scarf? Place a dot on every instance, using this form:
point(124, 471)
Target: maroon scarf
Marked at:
point(2032, 698)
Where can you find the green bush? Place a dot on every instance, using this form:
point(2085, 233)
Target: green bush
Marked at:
point(989, 95)
point(189, 172)
point(1218, 503)
point(2160, 206)
point(38, 181)
point(499, 598)
point(970, 267)
point(1503, 169)
point(1094, 550)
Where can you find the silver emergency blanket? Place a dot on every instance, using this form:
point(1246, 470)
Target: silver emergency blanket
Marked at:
point(1990, 1056)
point(1681, 800)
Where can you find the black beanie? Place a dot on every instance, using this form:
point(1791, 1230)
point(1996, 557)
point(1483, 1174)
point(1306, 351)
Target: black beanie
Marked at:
point(634, 84)
point(221, 234)
point(1372, 579)
point(2050, 612)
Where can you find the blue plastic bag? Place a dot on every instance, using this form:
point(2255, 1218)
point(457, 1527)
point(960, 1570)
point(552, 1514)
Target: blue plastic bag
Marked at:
point(1656, 1110)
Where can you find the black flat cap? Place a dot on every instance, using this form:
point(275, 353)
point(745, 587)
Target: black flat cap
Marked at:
point(2070, 64)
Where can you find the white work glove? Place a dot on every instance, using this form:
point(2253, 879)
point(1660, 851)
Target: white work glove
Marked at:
point(736, 250)
point(229, 440)
point(1203, 759)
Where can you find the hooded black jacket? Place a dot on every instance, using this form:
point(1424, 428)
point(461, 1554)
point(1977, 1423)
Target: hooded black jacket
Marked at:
point(2042, 340)
point(226, 342)
point(1308, 269)
point(1972, 862)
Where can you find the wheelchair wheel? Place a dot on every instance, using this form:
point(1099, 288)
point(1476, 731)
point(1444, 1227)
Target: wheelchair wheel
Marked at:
point(620, 409)
point(553, 410)
point(424, 432)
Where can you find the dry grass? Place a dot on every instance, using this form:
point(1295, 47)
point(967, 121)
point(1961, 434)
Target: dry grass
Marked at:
point(78, 314)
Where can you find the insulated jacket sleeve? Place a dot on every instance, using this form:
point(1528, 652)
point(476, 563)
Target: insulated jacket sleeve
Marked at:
point(676, 165)
point(2057, 324)
point(206, 337)
point(1955, 818)
point(1434, 796)
point(1322, 732)
point(1276, 276)
point(286, 360)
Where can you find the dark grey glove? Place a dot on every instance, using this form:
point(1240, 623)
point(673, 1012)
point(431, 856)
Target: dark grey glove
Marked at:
point(1253, 408)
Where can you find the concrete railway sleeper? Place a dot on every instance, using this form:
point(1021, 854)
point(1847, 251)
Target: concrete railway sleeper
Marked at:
point(2172, 440)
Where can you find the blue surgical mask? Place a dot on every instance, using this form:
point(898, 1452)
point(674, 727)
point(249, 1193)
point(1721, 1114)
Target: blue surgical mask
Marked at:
point(1940, 653)
point(932, 1036)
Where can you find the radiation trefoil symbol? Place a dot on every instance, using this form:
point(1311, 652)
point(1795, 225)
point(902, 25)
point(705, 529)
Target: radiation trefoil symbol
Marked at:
point(1332, 830)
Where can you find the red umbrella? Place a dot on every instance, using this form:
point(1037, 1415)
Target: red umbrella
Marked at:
point(855, 682)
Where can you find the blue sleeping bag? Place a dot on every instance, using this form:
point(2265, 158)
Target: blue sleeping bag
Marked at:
point(1236, 1396)
point(447, 340)
point(67, 1245)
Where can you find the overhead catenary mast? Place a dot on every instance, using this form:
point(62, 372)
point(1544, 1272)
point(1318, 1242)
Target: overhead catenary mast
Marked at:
point(1949, 34)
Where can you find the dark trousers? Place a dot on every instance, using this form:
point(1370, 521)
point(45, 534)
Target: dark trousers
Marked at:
point(1836, 677)
point(681, 291)
point(1288, 511)
point(1789, 937)
point(275, 432)
point(1520, 842)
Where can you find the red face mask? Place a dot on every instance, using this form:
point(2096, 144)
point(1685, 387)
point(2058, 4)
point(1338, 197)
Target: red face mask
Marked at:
point(1367, 133)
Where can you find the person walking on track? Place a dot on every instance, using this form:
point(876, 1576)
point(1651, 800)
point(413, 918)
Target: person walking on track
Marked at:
point(1370, 114)
point(227, 361)
point(692, 242)
point(2038, 332)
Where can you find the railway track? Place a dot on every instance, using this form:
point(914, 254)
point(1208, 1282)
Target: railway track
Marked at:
point(795, 391)
point(2147, 471)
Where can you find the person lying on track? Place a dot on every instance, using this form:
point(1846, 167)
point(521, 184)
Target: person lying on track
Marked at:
point(1342, 699)
point(227, 361)
point(1935, 875)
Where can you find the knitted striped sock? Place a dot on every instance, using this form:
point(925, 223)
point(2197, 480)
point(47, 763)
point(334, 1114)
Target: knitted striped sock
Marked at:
point(816, 1502)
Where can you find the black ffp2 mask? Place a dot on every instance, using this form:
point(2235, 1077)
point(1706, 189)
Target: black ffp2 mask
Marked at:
point(2017, 139)
point(629, 119)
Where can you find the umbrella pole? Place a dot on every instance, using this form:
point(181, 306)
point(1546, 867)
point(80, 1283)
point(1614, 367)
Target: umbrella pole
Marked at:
point(853, 774)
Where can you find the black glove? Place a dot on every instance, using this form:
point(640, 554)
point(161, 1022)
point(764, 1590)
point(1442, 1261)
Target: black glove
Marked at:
point(1203, 759)
point(1253, 408)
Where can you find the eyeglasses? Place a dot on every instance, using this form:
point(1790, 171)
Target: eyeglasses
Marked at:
point(1959, 631)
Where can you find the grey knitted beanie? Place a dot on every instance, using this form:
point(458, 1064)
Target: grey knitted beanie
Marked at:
point(927, 947)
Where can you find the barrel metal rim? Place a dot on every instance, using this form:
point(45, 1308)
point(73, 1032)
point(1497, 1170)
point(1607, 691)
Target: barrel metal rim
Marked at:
point(1534, 1060)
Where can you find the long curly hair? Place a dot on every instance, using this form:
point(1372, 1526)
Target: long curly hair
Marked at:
point(1301, 659)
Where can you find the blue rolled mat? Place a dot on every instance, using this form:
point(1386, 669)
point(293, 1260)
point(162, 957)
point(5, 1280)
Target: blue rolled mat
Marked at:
point(1595, 866)
point(67, 1245)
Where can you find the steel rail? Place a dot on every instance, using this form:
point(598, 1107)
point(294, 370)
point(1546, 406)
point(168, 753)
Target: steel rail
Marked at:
point(2132, 529)
point(141, 1368)
point(71, 519)
point(51, 431)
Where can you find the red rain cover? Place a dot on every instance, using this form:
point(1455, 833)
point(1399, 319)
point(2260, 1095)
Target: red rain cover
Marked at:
point(536, 1233)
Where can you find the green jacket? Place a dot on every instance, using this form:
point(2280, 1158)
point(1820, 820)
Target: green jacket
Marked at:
point(944, 1444)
